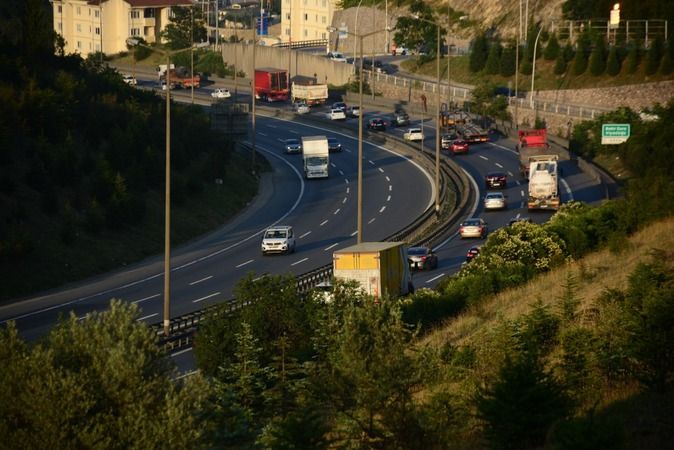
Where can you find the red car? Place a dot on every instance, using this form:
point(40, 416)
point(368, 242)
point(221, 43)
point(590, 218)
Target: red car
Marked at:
point(458, 146)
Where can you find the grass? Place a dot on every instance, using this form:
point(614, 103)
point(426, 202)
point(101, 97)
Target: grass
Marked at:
point(545, 78)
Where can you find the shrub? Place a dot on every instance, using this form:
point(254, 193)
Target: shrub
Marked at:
point(653, 56)
point(613, 62)
point(493, 60)
point(598, 58)
point(632, 61)
point(552, 50)
point(507, 63)
point(666, 66)
point(560, 65)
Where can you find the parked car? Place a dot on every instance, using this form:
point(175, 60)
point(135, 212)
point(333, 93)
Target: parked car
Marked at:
point(422, 258)
point(458, 146)
point(496, 180)
point(353, 111)
point(398, 51)
point(494, 200)
point(278, 239)
point(413, 134)
point(400, 118)
point(293, 146)
point(336, 114)
point(473, 252)
point(376, 124)
point(339, 105)
point(129, 79)
point(221, 93)
point(473, 228)
point(301, 108)
point(334, 145)
point(337, 56)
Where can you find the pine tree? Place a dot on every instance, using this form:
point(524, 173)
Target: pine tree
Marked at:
point(478, 54)
point(526, 67)
point(653, 56)
point(568, 52)
point(560, 65)
point(507, 64)
point(613, 63)
point(598, 57)
point(552, 50)
point(579, 62)
point(632, 60)
point(493, 60)
point(666, 63)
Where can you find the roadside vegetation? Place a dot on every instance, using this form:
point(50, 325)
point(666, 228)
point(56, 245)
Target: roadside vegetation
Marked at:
point(82, 169)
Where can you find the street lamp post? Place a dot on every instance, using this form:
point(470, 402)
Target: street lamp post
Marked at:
point(437, 113)
point(252, 99)
point(533, 69)
point(167, 186)
point(360, 38)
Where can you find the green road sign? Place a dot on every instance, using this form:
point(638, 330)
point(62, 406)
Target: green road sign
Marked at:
point(615, 133)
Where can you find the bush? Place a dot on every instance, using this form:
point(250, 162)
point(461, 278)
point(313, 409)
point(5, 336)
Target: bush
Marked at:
point(507, 63)
point(579, 62)
point(613, 62)
point(653, 56)
point(632, 61)
point(666, 64)
point(429, 307)
point(552, 50)
point(493, 61)
point(598, 58)
point(560, 65)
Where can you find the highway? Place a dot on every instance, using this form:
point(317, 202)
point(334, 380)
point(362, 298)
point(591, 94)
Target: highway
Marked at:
point(322, 212)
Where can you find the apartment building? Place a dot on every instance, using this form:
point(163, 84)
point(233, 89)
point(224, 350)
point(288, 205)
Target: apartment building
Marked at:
point(90, 26)
point(306, 20)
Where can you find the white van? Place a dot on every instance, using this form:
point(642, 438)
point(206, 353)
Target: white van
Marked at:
point(278, 239)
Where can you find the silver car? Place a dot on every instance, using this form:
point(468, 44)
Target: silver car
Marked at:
point(494, 200)
point(473, 228)
point(293, 146)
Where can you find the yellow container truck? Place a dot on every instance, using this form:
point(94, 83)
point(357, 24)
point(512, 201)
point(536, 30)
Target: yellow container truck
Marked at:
point(381, 268)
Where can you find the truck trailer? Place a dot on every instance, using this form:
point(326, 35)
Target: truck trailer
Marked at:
point(543, 182)
point(531, 143)
point(179, 77)
point(271, 84)
point(306, 90)
point(472, 133)
point(380, 268)
point(316, 154)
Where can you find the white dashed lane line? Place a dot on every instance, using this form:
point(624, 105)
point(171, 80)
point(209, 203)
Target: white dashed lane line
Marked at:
point(341, 172)
point(347, 190)
point(388, 179)
point(381, 210)
point(305, 234)
point(370, 161)
point(331, 247)
point(333, 165)
point(323, 223)
point(499, 166)
point(337, 211)
point(262, 134)
point(390, 188)
point(146, 317)
point(354, 233)
point(244, 264)
point(201, 281)
point(205, 298)
point(388, 199)
point(299, 262)
point(510, 174)
point(381, 170)
point(484, 157)
point(146, 299)
point(344, 200)
point(371, 220)
point(435, 278)
point(347, 180)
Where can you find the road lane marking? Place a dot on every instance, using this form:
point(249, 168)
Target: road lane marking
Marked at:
point(146, 298)
point(336, 212)
point(371, 220)
point(381, 170)
point(202, 280)
point(293, 132)
point(205, 298)
point(354, 233)
point(388, 179)
point(344, 200)
point(333, 165)
point(567, 188)
point(522, 193)
point(178, 353)
point(388, 199)
point(510, 174)
point(140, 319)
point(272, 126)
point(245, 263)
point(341, 172)
point(390, 188)
point(370, 161)
point(305, 234)
point(382, 209)
point(347, 150)
point(332, 246)
point(299, 262)
point(484, 157)
point(347, 180)
point(435, 278)
point(499, 166)
point(347, 190)
point(323, 223)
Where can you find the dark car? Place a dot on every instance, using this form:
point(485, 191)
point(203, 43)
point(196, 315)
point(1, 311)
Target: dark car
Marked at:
point(400, 118)
point(376, 124)
point(339, 105)
point(496, 180)
point(473, 252)
point(334, 145)
point(422, 258)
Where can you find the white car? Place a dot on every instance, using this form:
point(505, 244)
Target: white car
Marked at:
point(400, 51)
point(301, 108)
point(353, 111)
point(278, 239)
point(337, 56)
point(221, 93)
point(130, 80)
point(494, 200)
point(336, 114)
point(413, 134)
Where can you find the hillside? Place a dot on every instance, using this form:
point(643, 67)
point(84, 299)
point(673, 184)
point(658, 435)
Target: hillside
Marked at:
point(613, 407)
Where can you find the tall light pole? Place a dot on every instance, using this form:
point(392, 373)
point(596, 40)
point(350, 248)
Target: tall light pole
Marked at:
point(252, 100)
point(167, 186)
point(437, 113)
point(533, 69)
point(360, 38)
point(192, 52)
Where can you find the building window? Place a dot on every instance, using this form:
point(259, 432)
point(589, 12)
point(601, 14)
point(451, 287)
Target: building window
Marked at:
point(306, 17)
point(323, 36)
point(325, 3)
point(287, 31)
point(135, 14)
point(79, 45)
point(79, 11)
point(135, 31)
point(78, 27)
point(60, 26)
point(148, 13)
point(98, 47)
point(98, 30)
point(305, 33)
point(324, 19)
point(97, 13)
point(316, 19)
point(60, 9)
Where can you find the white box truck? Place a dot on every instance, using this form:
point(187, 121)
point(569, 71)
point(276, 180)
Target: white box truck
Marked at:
point(543, 182)
point(316, 156)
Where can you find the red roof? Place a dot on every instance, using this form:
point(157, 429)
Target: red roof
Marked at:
point(149, 3)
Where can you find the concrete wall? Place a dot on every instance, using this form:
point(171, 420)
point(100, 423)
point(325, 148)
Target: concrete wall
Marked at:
point(300, 63)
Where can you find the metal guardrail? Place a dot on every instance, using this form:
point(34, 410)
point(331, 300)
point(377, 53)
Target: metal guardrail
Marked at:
point(423, 230)
point(302, 44)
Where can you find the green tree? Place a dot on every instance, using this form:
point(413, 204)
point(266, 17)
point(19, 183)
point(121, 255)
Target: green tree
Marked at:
point(560, 65)
point(186, 26)
point(478, 54)
point(99, 382)
point(412, 32)
point(632, 61)
point(519, 407)
point(613, 62)
point(552, 50)
point(666, 65)
point(598, 57)
point(653, 56)
point(580, 58)
point(568, 52)
point(507, 63)
point(492, 65)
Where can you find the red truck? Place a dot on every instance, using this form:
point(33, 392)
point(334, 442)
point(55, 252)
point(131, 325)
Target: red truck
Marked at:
point(531, 143)
point(271, 85)
point(179, 77)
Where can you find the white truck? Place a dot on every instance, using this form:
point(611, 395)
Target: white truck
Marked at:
point(316, 156)
point(543, 182)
